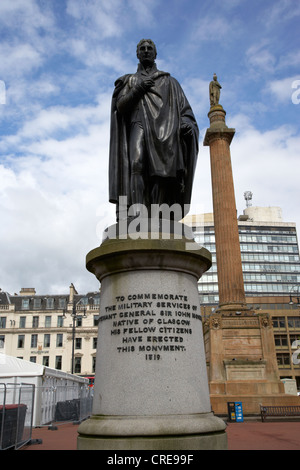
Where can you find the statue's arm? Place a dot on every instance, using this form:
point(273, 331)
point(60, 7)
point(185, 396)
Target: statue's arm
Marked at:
point(130, 96)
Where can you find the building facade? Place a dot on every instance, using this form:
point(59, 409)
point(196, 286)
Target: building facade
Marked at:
point(285, 316)
point(58, 331)
point(269, 252)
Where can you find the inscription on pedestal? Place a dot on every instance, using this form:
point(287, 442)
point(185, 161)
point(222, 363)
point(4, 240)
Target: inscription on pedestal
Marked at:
point(150, 323)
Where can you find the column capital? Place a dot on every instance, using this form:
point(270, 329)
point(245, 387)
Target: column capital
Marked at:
point(218, 128)
point(213, 133)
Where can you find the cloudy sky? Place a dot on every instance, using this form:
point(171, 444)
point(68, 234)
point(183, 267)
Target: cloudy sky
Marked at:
point(58, 63)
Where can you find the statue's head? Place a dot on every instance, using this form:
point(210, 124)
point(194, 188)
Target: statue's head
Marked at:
point(146, 50)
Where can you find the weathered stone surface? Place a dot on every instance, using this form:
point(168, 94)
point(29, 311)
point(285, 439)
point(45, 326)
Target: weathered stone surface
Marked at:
point(151, 386)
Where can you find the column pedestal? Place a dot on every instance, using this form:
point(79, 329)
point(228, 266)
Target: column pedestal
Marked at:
point(151, 388)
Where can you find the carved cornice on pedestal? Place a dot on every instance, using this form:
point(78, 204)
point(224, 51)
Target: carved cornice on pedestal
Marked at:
point(213, 134)
point(218, 128)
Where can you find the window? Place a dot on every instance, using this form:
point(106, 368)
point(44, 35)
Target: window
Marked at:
point(46, 361)
point(2, 341)
point(50, 302)
point(25, 304)
point(34, 340)
point(93, 364)
point(77, 365)
point(58, 362)
point(294, 322)
point(59, 340)
point(37, 303)
point(46, 341)
point(84, 301)
point(280, 340)
point(283, 360)
point(60, 321)
point(32, 359)
point(47, 321)
point(2, 322)
point(278, 322)
point(95, 342)
point(78, 342)
point(62, 303)
point(22, 322)
point(35, 322)
point(21, 341)
point(96, 320)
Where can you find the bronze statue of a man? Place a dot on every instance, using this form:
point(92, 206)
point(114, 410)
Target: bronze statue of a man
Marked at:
point(154, 137)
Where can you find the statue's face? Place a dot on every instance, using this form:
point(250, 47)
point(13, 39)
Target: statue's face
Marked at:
point(146, 53)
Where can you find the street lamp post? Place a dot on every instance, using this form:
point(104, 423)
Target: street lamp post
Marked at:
point(296, 295)
point(75, 315)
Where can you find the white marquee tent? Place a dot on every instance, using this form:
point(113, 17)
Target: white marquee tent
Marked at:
point(51, 385)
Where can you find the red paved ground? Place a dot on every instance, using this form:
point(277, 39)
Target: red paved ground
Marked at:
point(253, 435)
point(264, 436)
point(64, 438)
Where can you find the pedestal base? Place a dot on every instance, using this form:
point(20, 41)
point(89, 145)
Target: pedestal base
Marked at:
point(151, 387)
point(180, 432)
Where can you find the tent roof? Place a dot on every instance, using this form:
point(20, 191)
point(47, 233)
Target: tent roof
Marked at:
point(12, 366)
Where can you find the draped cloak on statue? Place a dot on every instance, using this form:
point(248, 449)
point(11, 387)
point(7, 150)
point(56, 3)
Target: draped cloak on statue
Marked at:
point(163, 111)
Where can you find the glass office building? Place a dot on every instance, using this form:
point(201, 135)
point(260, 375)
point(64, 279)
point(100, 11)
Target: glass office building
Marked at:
point(269, 252)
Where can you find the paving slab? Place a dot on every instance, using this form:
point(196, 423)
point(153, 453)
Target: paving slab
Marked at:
point(254, 435)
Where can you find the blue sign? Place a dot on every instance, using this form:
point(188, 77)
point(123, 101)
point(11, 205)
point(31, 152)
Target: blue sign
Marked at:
point(239, 417)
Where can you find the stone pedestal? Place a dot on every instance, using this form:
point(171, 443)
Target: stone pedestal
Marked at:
point(242, 362)
point(151, 388)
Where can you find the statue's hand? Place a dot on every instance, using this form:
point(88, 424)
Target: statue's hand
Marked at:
point(147, 83)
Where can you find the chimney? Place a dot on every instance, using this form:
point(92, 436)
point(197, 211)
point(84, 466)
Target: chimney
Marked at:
point(27, 291)
point(73, 291)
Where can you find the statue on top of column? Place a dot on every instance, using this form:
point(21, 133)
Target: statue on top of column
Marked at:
point(214, 91)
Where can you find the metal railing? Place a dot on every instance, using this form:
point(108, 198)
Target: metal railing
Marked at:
point(24, 406)
point(64, 403)
point(16, 413)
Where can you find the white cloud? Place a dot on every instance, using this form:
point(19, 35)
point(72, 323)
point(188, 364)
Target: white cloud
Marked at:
point(212, 28)
point(110, 19)
point(53, 196)
point(263, 162)
point(280, 12)
point(282, 90)
point(25, 15)
point(259, 58)
point(59, 122)
point(291, 59)
point(144, 11)
point(98, 56)
point(267, 164)
point(196, 90)
point(18, 59)
point(104, 18)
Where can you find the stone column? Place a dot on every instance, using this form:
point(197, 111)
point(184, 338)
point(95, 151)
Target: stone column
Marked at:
point(230, 275)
